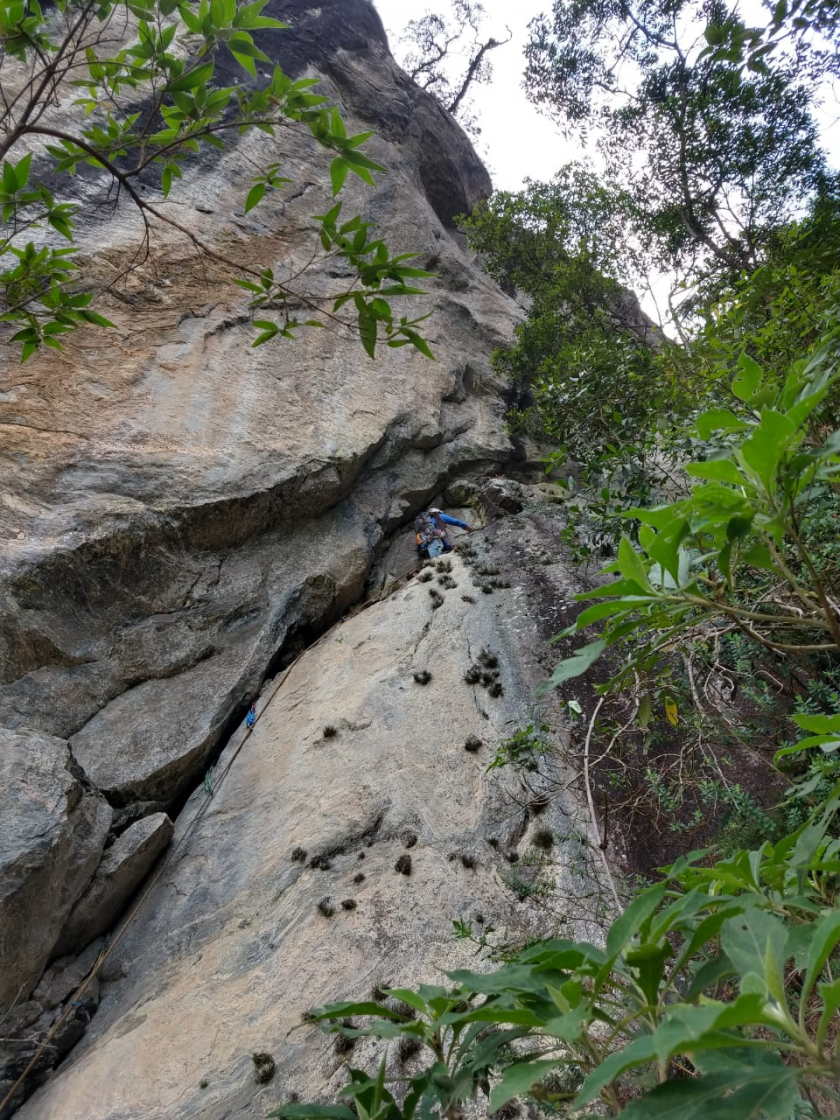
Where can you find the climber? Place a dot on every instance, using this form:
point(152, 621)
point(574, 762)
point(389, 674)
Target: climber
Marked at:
point(430, 532)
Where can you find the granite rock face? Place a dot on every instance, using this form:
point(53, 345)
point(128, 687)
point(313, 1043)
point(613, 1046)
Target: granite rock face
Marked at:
point(180, 513)
point(328, 862)
point(177, 505)
point(52, 832)
point(123, 868)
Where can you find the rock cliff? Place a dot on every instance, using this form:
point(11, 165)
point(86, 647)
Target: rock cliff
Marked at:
point(180, 515)
point(346, 835)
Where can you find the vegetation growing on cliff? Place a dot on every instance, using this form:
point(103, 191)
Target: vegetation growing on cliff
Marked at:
point(142, 76)
point(705, 467)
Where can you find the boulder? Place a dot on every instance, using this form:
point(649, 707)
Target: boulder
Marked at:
point(123, 868)
point(460, 492)
point(52, 833)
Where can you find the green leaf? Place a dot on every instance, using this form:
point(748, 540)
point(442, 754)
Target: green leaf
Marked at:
point(749, 379)
point(821, 725)
point(755, 944)
point(631, 566)
point(22, 171)
point(9, 177)
point(519, 1078)
point(635, 918)
point(718, 470)
point(255, 195)
point(419, 343)
point(338, 173)
point(96, 319)
point(751, 1094)
point(830, 995)
point(576, 665)
point(191, 79)
point(825, 938)
point(763, 450)
point(639, 1052)
point(718, 419)
point(648, 965)
point(245, 61)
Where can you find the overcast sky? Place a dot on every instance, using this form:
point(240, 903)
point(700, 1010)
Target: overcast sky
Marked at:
point(515, 140)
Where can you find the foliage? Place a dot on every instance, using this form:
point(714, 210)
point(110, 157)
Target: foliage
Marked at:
point(715, 155)
point(522, 749)
point(142, 76)
point(585, 350)
point(688, 1008)
point(448, 56)
point(735, 550)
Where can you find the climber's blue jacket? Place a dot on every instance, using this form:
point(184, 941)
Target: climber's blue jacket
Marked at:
point(447, 520)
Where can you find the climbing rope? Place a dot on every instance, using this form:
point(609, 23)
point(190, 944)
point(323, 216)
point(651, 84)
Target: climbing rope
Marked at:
point(212, 784)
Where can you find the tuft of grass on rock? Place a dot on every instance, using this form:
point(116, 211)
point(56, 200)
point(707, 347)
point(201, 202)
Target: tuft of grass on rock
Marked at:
point(359, 878)
point(473, 744)
point(408, 1048)
point(330, 732)
point(496, 689)
point(264, 1067)
point(299, 855)
point(403, 865)
point(543, 838)
point(426, 575)
point(409, 839)
point(468, 598)
point(469, 861)
point(472, 675)
point(422, 676)
point(349, 904)
point(326, 907)
point(343, 1043)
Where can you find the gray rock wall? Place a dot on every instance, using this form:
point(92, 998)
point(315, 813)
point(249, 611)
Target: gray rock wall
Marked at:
point(329, 863)
point(177, 507)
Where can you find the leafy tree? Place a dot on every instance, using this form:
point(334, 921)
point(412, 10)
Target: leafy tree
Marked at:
point(716, 155)
point(449, 55)
point(585, 348)
point(142, 77)
point(736, 550)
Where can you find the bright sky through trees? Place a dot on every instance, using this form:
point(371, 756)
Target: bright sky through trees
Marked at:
point(516, 142)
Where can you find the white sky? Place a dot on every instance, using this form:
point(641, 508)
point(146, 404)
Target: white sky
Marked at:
point(516, 142)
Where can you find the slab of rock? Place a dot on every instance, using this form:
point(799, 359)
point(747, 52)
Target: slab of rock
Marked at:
point(52, 833)
point(123, 868)
point(292, 889)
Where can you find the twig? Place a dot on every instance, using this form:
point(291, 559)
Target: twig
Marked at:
point(591, 802)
